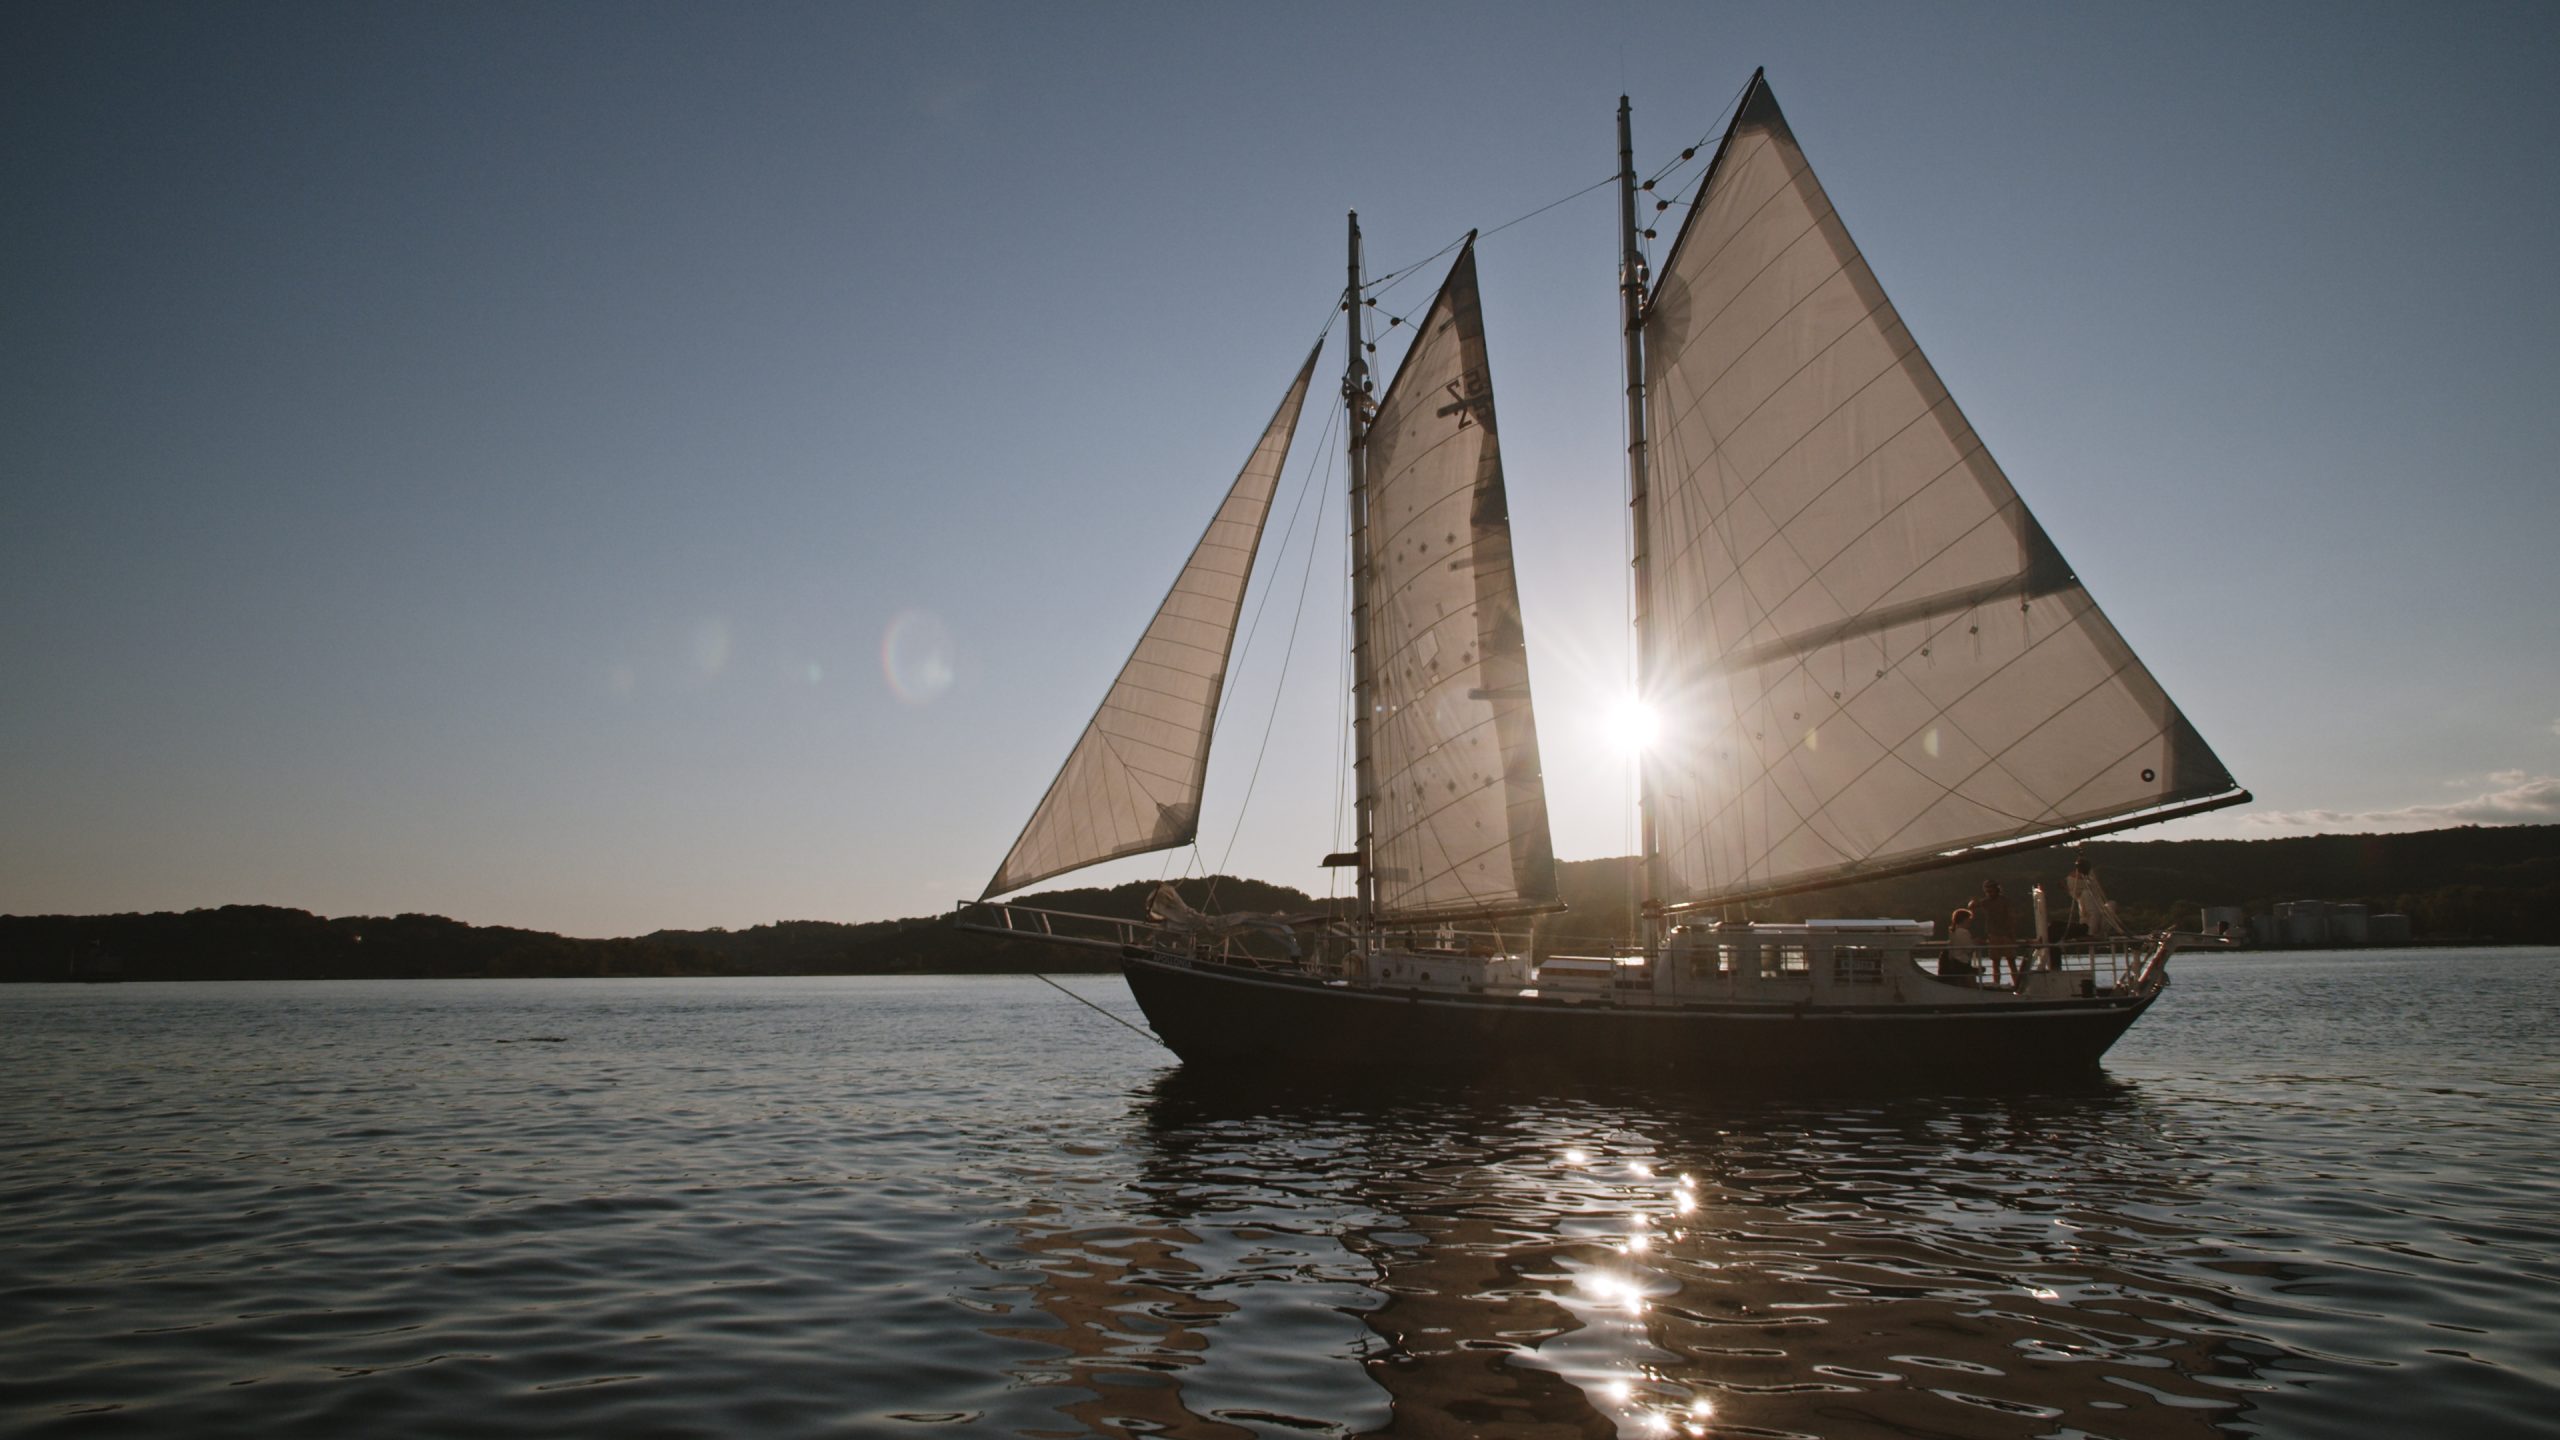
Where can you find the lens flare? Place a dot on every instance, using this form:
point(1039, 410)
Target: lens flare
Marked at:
point(915, 656)
point(708, 644)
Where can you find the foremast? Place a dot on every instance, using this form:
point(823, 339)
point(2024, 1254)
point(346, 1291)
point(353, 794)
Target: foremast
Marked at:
point(1452, 799)
point(1631, 297)
point(1355, 402)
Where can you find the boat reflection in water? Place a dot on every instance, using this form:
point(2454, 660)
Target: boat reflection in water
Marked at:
point(1475, 1262)
point(1119, 1304)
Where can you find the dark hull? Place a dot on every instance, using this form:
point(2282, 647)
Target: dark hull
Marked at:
point(1236, 1019)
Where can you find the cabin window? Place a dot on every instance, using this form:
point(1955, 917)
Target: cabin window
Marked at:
point(1784, 960)
point(1857, 965)
point(1707, 960)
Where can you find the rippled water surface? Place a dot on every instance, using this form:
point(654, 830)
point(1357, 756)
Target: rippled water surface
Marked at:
point(2313, 1198)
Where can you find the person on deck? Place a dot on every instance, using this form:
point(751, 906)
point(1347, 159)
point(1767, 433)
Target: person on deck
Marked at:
point(2089, 905)
point(1999, 930)
point(1956, 961)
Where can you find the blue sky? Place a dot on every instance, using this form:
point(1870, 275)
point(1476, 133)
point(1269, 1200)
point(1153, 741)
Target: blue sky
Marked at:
point(474, 458)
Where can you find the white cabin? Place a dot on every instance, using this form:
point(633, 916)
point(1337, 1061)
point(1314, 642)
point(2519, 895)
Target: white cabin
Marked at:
point(1838, 962)
point(1462, 971)
point(1844, 960)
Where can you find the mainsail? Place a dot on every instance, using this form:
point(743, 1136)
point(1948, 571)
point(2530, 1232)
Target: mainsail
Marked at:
point(1872, 656)
point(1132, 782)
point(1459, 819)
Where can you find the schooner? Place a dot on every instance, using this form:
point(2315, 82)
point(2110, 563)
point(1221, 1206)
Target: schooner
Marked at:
point(1870, 658)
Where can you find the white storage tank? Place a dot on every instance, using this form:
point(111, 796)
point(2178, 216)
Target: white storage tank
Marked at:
point(2390, 930)
point(2306, 922)
point(2346, 925)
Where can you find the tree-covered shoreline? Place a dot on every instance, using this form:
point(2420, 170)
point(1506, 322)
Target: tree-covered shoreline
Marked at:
point(2485, 885)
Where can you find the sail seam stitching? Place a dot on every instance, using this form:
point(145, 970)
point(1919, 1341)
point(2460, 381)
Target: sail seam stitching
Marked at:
point(1744, 291)
point(1992, 760)
point(1814, 573)
point(1786, 182)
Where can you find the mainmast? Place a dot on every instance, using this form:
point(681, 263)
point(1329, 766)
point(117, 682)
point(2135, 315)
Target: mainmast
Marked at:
point(1355, 398)
point(1631, 298)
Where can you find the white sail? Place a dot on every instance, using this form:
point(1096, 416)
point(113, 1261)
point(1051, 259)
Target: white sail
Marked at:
point(1459, 819)
point(1870, 655)
point(1132, 783)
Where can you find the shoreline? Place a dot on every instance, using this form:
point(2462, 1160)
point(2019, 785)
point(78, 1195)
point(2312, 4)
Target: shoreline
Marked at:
point(1102, 968)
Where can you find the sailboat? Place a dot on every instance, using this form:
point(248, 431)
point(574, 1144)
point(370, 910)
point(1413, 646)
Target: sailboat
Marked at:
point(1870, 659)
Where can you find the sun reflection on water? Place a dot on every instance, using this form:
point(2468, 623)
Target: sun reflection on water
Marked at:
point(1717, 1271)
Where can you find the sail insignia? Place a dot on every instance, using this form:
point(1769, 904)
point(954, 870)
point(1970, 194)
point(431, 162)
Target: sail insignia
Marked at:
point(1132, 782)
point(1460, 824)
point(1874, 656)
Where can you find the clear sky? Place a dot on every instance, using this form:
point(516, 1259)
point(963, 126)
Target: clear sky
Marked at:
point(610, 467)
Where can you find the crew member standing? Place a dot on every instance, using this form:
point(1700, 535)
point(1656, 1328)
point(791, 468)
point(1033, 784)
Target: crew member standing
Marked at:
point(1999, 930)
point(2089, 905)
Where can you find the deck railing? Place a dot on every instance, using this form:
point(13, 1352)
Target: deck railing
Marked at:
point(1110, 932)
point(1060, 927)
point(2110, 961)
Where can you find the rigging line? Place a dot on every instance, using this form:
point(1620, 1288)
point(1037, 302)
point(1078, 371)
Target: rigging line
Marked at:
point(1723, 122)
point(1550, 205)
point(1164, 872)
point(1096, 1009)
point(1714, 127)
point(1687, 194)
point(1381, 284)
point(1288, 534)
point(1289, 647)
point(1724, 118)
point(1288, 537)
point(1388, 281)
point(1332, 314)
point(1244, 652)
point(1287, 651)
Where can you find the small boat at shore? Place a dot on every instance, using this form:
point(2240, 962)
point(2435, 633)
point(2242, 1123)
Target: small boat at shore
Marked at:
point(1866, 657)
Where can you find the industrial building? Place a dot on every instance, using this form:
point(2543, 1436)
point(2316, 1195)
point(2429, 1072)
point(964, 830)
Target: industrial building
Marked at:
point(2313, 925)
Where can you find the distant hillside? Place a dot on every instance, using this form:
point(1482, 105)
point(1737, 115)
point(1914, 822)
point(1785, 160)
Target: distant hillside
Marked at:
point(267, 942)
point(2493, 884)
point(2485, 883)
point(932, 945)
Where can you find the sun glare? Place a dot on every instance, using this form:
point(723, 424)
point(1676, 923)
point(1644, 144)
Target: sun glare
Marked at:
point(1633, 726)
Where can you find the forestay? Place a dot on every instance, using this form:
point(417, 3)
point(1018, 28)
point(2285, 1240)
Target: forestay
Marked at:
point(1132, 783)
point(1871, 654)
point(1459, 819)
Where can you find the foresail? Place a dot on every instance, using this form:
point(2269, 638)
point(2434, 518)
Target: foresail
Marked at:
point(1132, 783)
point(1870, 653)
point(1459, 825)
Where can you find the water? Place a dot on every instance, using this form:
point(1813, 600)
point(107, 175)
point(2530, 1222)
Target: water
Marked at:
point(2313, 1198)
